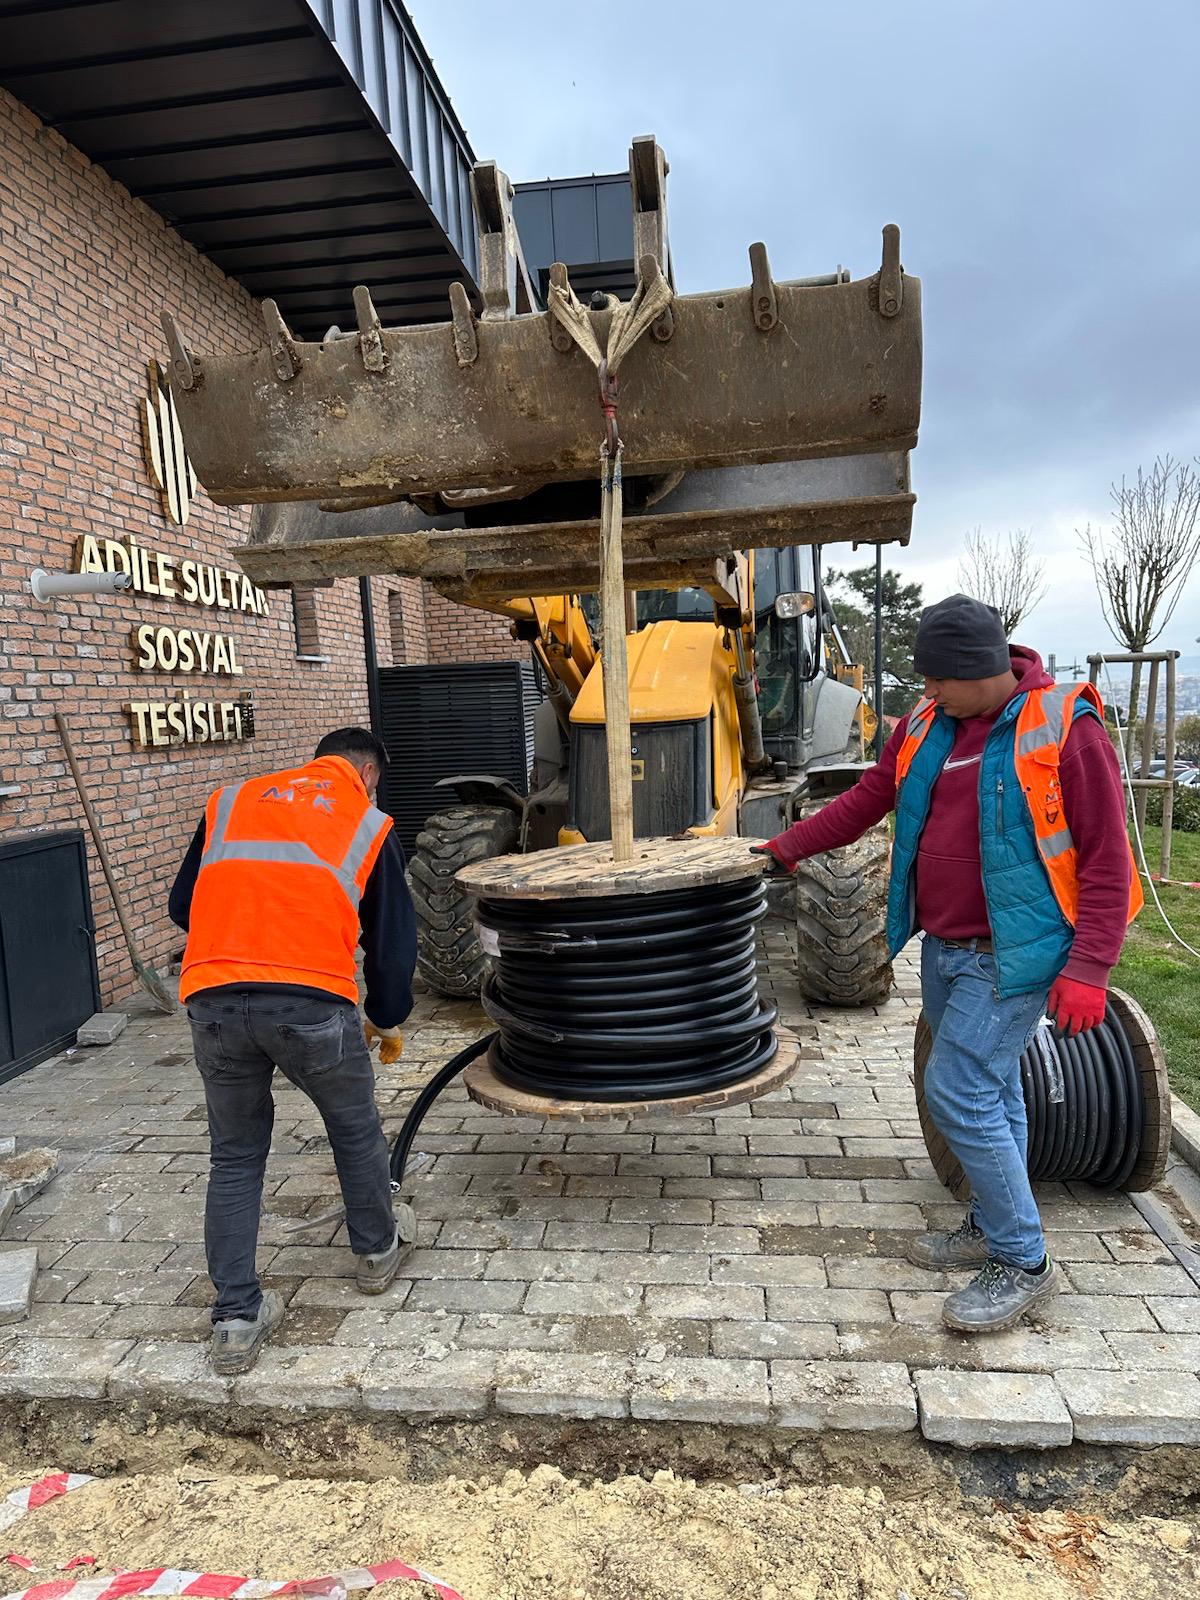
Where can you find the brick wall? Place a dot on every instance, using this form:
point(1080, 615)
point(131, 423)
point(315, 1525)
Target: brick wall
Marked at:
point(86, 269)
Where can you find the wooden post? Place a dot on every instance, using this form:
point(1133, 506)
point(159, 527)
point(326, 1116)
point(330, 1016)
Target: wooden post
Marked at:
point(1147, 737)
point(1169, 792)
point(615, 670)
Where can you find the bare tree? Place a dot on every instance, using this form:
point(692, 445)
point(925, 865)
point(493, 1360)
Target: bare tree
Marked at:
point(1008, 577)
point(1143, 561)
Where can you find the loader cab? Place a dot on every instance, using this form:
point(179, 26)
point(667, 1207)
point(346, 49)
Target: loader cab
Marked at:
point(788, 654)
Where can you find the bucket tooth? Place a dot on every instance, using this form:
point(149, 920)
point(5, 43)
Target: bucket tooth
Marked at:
point(891, 274)
point(763, 299)
point(462, 317)
point(559, 337)
point(370, 336)
point(185, 368)
point(285, 358)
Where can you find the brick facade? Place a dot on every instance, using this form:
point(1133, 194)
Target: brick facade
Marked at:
point(85, 269)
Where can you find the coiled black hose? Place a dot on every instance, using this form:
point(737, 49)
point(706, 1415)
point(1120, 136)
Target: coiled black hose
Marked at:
point(629, 997)
point(1091, 1132)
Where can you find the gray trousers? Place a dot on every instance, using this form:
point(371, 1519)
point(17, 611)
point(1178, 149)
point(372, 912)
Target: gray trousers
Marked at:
point(240, 1037)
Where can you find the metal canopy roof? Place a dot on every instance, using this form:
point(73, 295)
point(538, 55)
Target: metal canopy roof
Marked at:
point(305, 146)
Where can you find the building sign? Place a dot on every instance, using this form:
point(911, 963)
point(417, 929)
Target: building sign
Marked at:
point(196, 583)
point(185, 718)
point(165, 456)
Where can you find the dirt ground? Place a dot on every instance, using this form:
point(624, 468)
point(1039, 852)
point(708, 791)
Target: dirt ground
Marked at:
point(542, 1536)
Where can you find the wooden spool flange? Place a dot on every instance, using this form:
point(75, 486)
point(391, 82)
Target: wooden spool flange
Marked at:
point(659, 866)
point(487, 1089)
point(1151, 1067)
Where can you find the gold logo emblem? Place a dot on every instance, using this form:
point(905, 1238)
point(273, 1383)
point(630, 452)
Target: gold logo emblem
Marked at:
point(165, 456)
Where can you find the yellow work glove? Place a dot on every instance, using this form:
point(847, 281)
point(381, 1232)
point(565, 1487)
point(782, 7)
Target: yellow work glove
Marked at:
point(389, 1040)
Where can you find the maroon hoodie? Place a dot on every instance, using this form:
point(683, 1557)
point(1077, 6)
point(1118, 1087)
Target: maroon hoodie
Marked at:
point(950, 899)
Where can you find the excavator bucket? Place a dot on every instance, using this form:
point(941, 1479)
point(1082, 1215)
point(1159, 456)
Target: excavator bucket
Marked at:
point(467, 451)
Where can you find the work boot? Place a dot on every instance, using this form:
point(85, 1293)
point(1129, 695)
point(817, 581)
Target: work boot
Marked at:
point(373, 1274)
point(940, 1252)
point(998, 1297)
point(236, 1342)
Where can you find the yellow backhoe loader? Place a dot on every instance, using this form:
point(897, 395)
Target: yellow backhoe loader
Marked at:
point(758, 423)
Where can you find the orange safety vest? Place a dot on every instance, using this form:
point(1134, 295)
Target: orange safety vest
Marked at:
point(1042, 726)
point(286, 859)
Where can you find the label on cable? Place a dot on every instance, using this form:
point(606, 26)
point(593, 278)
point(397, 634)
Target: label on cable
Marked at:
point(489, 939)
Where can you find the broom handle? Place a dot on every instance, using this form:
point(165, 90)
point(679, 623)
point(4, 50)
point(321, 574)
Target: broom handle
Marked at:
point(96, 839)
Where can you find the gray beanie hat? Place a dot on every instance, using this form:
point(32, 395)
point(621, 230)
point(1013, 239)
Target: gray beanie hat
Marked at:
point(961, 638)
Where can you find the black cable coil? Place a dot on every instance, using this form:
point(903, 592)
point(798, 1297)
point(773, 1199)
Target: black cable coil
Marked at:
point(630, 997)
point(1092, 1131)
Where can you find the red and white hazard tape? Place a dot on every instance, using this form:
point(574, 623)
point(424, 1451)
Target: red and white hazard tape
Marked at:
point(171, 1581)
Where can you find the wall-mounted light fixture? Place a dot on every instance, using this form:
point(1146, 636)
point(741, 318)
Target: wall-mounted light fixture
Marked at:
point(46, 585)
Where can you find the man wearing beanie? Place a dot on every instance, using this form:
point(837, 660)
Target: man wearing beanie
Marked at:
point(1011, 857)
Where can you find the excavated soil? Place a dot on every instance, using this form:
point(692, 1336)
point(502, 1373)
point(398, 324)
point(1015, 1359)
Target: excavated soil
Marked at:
point(542, 1536)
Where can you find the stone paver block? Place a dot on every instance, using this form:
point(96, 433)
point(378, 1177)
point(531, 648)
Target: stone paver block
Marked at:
point(881, 1272)
point(8, 1144)
point(1145, 1408)
point(730, 1392)
point(770, 1271)
point(1021, 1410)
point(1108, 1313)
point(867, 1214)
point(18, 1274)
point(155, 1371)
point(774, 1341)
point(1175, 1315)
point(59, 1369)
point(1179, 1352)
point(1135, 1280)
point(712, 1301)
point(103, 1027)
point(458, 1385)
point(8, 1204)
point(582, 1299)
point(157, 1323)
point(828, 1305)
point(302, 1378)
point(535, 1383)
point(161, 1288)
point(381, 1326)
point(867, 1396)
point(573, 1236)
point(706, 1239)
point(28, 1174)
point(595, 1266)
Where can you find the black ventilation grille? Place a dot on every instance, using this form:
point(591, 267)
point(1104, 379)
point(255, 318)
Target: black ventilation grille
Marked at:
point(444, 720)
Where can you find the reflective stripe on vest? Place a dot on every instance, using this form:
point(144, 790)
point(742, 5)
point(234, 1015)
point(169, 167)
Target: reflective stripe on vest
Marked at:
point(221, 848)
point(920, 720)
point(1043, 725)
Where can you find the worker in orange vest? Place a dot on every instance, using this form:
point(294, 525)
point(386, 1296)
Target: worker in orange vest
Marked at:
point(1010, 856)
point(286, 875)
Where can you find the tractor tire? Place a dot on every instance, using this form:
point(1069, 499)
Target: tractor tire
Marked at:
point(841, 923)
point(449, 956)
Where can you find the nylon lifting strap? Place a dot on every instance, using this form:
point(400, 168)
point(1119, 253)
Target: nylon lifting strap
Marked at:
point(628, 323)
point(221, 848)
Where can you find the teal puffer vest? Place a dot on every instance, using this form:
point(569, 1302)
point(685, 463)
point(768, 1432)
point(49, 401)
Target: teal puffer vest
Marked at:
point(1030, 936)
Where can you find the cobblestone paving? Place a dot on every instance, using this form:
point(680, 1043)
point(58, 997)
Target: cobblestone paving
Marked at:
point(741, 1268)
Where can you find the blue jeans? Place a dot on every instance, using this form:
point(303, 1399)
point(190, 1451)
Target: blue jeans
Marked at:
point(240, 1037)
point(973, 1091)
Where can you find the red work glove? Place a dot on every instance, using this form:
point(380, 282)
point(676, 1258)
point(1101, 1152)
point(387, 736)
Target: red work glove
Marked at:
point(1075, 1006)
point(776, 866)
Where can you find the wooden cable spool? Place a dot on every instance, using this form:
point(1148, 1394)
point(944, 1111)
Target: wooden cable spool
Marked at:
point(1151, 1069)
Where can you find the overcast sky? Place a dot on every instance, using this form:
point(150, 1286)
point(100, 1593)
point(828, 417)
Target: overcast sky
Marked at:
point(1040, 158)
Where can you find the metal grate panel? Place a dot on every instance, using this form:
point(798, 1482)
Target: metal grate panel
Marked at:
point(440, 721)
